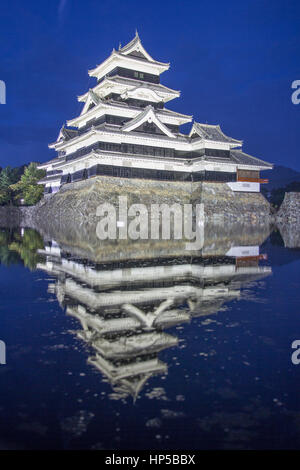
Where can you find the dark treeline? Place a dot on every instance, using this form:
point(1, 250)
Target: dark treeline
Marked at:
point(19, 246)
point(276, 195)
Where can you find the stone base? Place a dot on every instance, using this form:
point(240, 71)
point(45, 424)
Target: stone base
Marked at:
point(70, 215)
point(289, 210)
point(74, 207)
point(17, 216)
point(220, 202)
point(77, 202)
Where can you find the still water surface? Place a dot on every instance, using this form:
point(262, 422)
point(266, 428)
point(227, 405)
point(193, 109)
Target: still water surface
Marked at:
point(158, 352)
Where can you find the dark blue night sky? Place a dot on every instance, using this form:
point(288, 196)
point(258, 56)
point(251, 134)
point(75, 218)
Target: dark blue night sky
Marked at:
point(234, 62)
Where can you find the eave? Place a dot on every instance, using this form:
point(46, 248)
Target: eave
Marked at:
point(128, 84)
point(42, 166)
point(186, 164)
point(179, 142)
point(48, 179)
point(166, 115)
point(133, 63)
point(207, 143)
point(253, 161)
point(201, 130)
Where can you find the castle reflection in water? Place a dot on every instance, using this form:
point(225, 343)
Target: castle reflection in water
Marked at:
point(124, 307)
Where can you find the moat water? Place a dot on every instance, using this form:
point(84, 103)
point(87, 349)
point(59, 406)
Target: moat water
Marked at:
point(162, 352)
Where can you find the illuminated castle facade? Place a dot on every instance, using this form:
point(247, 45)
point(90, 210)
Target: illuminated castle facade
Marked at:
point(124, 130)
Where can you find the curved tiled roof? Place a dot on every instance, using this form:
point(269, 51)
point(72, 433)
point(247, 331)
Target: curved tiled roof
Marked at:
point(136, 49)
point(240, 157)
point(212, 132)
point(133, 81)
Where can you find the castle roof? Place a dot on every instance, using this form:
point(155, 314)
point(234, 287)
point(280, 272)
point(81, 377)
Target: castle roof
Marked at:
point(132, 56)
point(136, 49)
point(123, 123)
point(245, 159)
point(212, 132)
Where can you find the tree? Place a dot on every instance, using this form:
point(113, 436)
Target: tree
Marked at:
point(8, 177)
point(27, 188)
point(7, 257)
point(27, 247)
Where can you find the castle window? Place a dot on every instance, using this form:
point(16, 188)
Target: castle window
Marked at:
point(138, 75)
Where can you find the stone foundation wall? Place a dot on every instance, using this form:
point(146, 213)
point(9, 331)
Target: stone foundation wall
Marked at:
point(288, 220)
point(226, 205)
point(76, 203)
point(11, 216)
point(289, 210)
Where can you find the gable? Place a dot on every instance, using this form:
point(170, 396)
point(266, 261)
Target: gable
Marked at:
point(147, 116)
point(149, 128)
point(142, 93)
point(91, 101)
point(136, 53)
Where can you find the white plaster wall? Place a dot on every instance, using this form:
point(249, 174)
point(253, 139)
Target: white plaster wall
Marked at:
point(244, 186)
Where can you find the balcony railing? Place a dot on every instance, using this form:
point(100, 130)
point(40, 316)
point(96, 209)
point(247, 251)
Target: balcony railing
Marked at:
point(252, 180)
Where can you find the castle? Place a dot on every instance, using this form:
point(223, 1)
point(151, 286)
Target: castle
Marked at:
point(125, 131)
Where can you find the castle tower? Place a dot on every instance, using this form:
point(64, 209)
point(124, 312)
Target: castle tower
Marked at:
point(125, 130)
